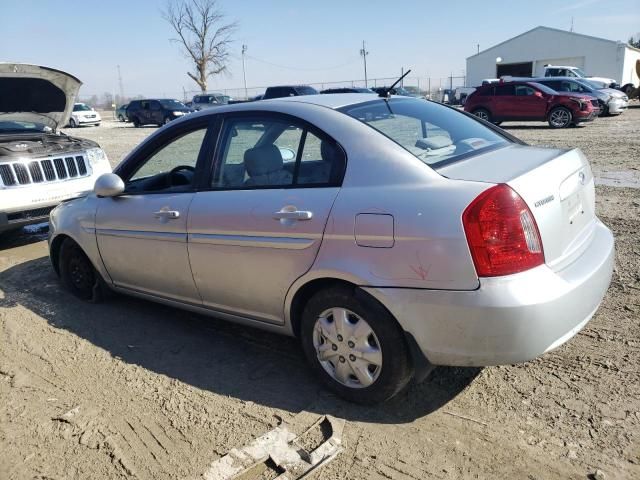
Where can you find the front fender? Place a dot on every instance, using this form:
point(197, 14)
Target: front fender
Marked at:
point(76, 219)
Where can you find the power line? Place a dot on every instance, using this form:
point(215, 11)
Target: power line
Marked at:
point(351, 62)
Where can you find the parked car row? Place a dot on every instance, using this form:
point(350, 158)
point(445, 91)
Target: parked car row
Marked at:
point(560, 101)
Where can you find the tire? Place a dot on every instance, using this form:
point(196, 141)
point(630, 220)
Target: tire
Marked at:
point(483, 114)
point(389, 367)
point(560, 117)
point(78, 274)
point(120, 118)
point(73, 123)
point(136, 122)
point(166, 120)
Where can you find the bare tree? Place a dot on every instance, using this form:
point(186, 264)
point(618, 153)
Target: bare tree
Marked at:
point(203, 34)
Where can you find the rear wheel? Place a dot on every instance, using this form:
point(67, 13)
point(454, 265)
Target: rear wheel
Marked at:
point(136, 122)
point(355, 346)
point(120, 118)
point(483, 114)
point(78, 274)
point(560, 117)
point(73, 123)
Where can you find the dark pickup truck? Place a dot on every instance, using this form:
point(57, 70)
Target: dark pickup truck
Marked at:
point(288, 91)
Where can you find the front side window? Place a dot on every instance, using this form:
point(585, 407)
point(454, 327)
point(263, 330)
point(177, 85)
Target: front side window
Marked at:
point(523, 91)
point(433, 133)
point(171, 166)
point(277, 153)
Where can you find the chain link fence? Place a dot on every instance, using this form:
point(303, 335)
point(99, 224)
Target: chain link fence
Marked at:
point(434, 88)
point(440, 89)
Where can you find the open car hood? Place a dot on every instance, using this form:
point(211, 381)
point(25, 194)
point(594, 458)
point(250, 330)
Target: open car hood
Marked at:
point(31, 93)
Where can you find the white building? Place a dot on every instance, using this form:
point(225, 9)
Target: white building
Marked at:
point(528, 53)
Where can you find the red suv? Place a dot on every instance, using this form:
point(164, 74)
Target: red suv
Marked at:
point(518, 101)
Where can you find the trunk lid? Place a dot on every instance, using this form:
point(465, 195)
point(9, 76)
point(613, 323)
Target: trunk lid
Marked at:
point(35, 94)
point(557, 185)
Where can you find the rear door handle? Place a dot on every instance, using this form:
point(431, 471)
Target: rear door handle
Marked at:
point(293, 215)
point(166, 214)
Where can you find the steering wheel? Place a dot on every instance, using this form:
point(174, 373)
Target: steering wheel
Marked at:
point(172, 174)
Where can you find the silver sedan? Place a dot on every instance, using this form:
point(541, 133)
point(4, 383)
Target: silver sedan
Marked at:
point(389, 234)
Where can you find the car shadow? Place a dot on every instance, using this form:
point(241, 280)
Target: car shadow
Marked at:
point(211, 354)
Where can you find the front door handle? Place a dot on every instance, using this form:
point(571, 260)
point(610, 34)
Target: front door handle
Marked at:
point(293, 215)
point(166, 214)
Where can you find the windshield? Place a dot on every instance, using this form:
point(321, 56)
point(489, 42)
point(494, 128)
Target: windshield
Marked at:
point(432, 132)
point(543, 88)
point(595, 84)
point(81, 107)
point(172, 104)
point(579, 72)
point(7, 126)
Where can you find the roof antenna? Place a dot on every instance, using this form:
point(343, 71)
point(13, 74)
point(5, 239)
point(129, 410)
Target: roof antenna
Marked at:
point(386, 92)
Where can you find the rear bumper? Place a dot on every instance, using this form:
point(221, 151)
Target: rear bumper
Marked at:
point(508, 319)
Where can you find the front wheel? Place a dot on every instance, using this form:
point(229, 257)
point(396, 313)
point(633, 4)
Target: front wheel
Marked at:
point(78, 274)
point(560, 117)
point(120, 118)
point(355, 346)
point(73, 123)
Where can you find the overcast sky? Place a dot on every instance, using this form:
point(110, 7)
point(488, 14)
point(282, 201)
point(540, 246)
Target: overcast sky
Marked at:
point(288, 41)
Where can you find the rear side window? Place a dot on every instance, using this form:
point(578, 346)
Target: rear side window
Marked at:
point(276, 153)
point(484, 92)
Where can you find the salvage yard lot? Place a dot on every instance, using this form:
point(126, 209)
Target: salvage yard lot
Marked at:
point(131, 389)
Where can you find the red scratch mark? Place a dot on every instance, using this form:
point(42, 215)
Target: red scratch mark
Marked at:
point(420, 271)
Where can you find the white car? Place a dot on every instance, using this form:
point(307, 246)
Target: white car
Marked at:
point(39, 167)
point(83, 114)
point(568, 71)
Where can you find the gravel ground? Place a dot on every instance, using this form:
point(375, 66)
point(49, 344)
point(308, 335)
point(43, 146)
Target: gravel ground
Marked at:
point(131, 389)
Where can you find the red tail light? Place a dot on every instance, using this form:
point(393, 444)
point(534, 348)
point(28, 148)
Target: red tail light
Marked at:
point(502, 233)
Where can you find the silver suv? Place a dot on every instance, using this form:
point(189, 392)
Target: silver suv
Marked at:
point(208, 100)
point(39, 166)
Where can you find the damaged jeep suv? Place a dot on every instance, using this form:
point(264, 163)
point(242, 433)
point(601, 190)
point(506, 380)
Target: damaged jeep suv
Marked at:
point(39, 166)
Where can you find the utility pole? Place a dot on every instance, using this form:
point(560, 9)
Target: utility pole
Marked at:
point(244, 74)
point(571, 25)
point(364, 53)
point(121, 87)
point(478, 47)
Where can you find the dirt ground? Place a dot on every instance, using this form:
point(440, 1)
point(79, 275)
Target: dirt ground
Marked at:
point(131, 389)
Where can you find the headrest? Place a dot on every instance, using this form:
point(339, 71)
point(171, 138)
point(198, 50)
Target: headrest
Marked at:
point(262, 160)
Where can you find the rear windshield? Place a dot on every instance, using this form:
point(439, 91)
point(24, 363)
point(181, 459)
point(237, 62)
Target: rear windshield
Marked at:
point(435, 134)
point(305, 90)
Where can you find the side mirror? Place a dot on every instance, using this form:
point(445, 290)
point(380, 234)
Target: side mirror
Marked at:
point(108, 185)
